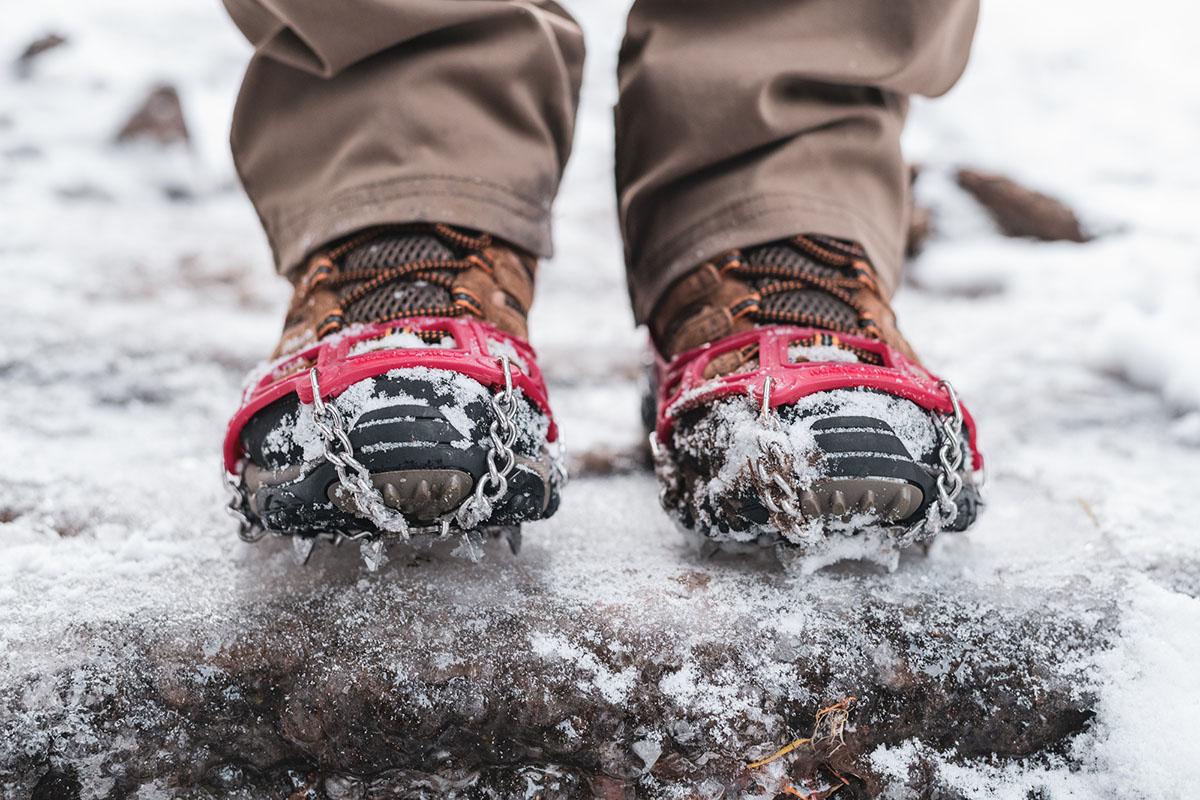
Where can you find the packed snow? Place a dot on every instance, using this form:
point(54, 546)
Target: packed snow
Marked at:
point(299, 431)
point(737, 438)
point(138, 294)
point(400, 340)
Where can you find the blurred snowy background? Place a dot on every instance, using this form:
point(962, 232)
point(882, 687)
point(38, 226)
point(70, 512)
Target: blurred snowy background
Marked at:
point(137, 290)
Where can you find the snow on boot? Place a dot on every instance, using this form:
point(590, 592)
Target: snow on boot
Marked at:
point(791, 410)
point(403, 400)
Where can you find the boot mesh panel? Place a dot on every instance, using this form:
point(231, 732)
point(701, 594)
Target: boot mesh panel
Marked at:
point(811, 303)
point(394, 300)
point(787, 256)
point(391, 251)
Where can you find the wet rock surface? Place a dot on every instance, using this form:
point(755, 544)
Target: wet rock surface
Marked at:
point(544, 675)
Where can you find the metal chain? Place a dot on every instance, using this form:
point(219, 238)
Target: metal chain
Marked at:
point(777, 493)
point(558, 463)
point(779, 496)
point(248, 529)
point(950, 457)
point(664, 470)
point(353, 477)
point(503, 433)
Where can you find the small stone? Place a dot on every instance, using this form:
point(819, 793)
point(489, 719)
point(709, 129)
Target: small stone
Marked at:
point(159, 118)
point(36, 48)
point(648, 750)
point(605, 788)
point(603, 461)
point(340, 787)
point(1019, 211)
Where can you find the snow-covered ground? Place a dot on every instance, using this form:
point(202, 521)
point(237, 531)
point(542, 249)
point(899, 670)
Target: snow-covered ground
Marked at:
point(136, 291)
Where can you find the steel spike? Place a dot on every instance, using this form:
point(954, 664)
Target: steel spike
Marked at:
point(302, 548)
point(837, 503)
point(512, 535)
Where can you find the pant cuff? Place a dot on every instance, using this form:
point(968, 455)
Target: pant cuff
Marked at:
point(751, 221)
point(294, 233)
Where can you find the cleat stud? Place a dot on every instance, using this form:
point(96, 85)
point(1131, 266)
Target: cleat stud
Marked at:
point(302, 548)
point(902, 504)
point(391, 495)
point(450, 490)
point(867, 502)
point(837, 503)
point(422, 495)
point(809, 504)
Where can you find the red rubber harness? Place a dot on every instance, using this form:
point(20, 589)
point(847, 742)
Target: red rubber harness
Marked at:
point(339, 369)
point(682, 385)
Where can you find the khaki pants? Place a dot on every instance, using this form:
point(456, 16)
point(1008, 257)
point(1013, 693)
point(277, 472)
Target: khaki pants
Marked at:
point(739, 121)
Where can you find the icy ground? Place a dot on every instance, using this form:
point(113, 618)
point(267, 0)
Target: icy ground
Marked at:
point(136, 293)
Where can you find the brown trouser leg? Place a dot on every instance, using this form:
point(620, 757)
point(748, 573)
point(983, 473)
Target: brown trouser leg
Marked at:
point(738, 122)
point(743, 121)
point(361, 112)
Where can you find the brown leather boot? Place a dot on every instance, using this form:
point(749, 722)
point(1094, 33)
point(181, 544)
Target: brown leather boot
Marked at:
point(385, 274)
point(791, 409)
point(402, 399)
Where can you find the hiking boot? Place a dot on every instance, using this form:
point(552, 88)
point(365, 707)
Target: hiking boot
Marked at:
point(791, 410)
point(403, 399)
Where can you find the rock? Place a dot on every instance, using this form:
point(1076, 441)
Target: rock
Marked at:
point(920, 218)
point(603, 460)
point(561, 672)
point(24, 64)
point(159, 118)
point(1019, 211)
point(920, 225)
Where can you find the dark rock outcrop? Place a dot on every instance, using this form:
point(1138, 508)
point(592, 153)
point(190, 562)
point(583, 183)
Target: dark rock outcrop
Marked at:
point(1019, 211)
point(548, 675)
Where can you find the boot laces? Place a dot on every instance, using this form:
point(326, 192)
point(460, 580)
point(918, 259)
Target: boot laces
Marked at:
point(811, 280)
point(385, 274)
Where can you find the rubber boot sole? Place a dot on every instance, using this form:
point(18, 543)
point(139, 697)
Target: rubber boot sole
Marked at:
point(424, 445)
point(868, 479)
